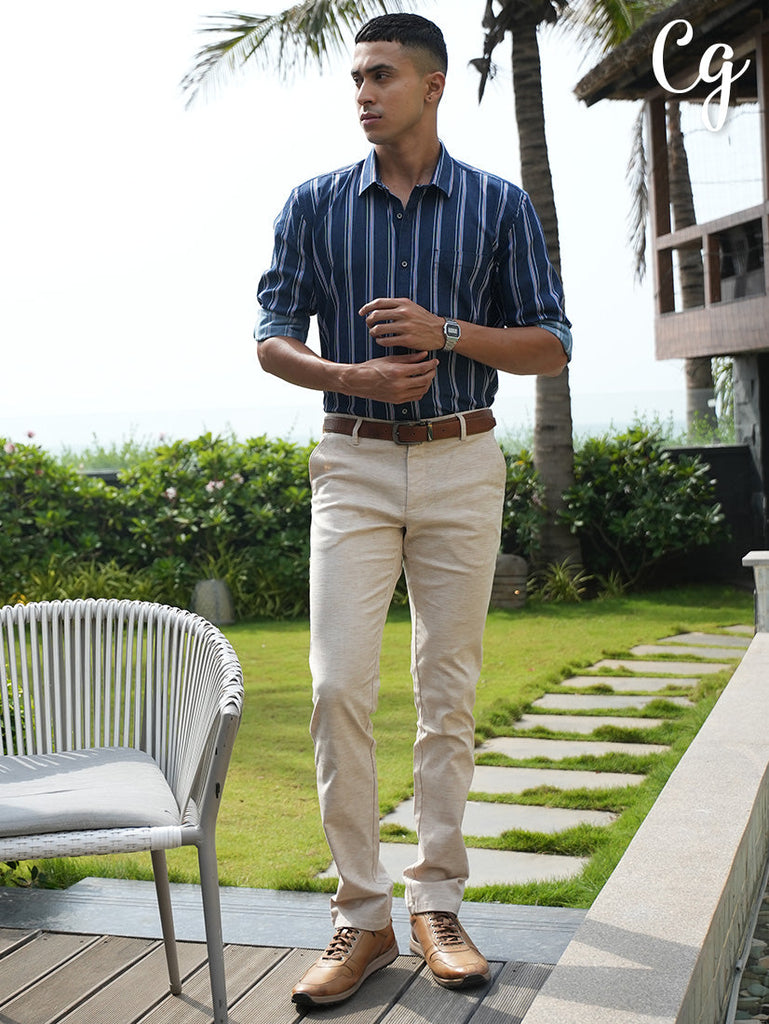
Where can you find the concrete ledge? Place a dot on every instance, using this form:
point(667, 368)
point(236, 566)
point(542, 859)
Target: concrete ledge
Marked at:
point(660, 943)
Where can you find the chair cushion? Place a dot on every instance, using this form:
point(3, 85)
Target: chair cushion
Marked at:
point(109, 787)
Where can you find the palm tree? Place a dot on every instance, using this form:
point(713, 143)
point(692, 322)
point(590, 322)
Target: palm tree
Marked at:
point(553, 440)
point(314, 29)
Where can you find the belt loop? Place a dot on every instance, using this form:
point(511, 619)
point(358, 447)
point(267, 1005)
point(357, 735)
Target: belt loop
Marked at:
point(462, 426)
point(355, 429)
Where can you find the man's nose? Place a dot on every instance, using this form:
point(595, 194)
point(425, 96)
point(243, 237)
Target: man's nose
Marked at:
point(363, 95)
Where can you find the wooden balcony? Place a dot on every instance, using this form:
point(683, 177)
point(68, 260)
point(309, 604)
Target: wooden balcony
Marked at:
point(735, 315)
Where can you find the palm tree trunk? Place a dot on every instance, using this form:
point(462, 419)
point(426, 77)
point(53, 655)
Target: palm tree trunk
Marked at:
point(553, 440)
point(698, 371)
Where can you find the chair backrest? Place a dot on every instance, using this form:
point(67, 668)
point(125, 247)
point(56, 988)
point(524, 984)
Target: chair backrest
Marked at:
point(105, 673)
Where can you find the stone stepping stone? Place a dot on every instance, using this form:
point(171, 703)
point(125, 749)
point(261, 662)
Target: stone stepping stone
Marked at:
point(741, 630)
point(488, 819)
point(709, 640)
point(660, 667)
point(582, 723)
point(690, 651)
point(487, 867)
point(530, 746)
point(490, 779)
point(595, 701)
point(623, 683)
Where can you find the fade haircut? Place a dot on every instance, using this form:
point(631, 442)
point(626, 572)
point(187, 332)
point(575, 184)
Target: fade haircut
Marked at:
point(413, 32)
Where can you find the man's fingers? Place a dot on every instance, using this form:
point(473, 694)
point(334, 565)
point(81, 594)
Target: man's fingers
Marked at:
point(376, 304)
point(412, 357)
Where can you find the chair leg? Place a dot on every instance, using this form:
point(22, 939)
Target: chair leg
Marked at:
point(163, 891)
point(212, 916)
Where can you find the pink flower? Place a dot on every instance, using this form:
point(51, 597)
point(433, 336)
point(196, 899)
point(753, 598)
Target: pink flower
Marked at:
point(30, 433)
point(170, 493)
point(214, 485)
point(9, 447)
point(237, 477)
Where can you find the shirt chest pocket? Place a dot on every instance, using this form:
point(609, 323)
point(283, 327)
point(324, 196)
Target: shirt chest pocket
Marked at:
point(461, 269)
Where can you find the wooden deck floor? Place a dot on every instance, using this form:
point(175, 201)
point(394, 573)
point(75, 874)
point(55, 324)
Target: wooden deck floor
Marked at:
point(48, 977)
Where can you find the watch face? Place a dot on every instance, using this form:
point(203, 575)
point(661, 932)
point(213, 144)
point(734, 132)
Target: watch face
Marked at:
point(452, 330)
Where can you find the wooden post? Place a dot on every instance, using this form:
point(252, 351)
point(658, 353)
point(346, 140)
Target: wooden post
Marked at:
point(659, 204)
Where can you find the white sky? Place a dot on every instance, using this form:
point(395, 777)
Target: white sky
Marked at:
point(134, 232)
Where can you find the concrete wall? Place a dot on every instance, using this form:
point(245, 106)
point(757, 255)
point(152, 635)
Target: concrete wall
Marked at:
point(660, 943)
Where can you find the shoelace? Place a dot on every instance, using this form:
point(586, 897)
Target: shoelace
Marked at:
point(341, 944)
point(446, 929)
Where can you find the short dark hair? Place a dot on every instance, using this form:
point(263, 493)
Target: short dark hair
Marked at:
point(412, 31)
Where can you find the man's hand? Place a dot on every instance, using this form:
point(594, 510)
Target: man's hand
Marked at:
point(402, 378)
point(402, 322)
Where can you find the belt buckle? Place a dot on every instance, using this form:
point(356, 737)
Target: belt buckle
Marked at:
point(397, 424)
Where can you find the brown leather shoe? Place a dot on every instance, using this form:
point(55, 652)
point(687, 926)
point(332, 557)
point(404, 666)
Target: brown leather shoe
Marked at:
point(448, 950)
point(350, 957)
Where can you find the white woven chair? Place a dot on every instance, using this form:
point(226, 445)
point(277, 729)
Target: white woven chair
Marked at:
point(117, 724)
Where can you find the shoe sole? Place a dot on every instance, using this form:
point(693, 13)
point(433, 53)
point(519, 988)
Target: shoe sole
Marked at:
point(467, 981)
point(305, 999)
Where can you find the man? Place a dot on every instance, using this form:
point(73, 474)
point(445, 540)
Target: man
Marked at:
point(427, 276)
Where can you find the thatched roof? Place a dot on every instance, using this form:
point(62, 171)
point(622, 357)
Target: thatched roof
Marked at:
point(626, 72)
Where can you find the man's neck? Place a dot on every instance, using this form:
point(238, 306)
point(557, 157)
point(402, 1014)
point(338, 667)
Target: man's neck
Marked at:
point(404, 167)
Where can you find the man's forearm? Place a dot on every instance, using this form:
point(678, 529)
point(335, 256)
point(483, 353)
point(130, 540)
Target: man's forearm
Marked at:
point(520, 350)
point(389, 378)
point(292, 361)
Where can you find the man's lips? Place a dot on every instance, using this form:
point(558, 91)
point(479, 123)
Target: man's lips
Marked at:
point(368, 118)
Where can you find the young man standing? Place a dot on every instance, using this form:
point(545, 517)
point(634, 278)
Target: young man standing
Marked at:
point(427, 277)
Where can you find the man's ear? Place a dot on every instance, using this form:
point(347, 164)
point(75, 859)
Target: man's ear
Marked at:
point(435, 82)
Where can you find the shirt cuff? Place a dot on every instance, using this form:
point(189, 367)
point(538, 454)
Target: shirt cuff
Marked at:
point(276, 325)
point(561, 331)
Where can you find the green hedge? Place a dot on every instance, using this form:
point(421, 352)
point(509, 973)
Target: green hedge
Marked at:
point(217, 507)
point(212, 507)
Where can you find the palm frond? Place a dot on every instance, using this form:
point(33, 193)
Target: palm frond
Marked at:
point(600, 25)
point(312, 30)
point(497, 24)
point(637, 178)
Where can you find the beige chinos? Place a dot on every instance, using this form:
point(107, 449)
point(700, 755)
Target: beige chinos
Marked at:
point(434, 509)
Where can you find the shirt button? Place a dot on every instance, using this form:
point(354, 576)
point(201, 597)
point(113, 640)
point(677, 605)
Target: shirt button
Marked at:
point(404, 263)
point(399, 216)
point(404, 412)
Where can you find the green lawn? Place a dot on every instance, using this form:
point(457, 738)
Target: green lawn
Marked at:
point(269, 833)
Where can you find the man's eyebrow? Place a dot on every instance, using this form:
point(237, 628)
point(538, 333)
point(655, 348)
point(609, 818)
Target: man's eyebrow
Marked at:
point(383, 66)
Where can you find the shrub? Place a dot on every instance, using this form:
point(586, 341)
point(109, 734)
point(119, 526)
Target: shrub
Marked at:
point(632, 505)
point(524, 512)
point(560, 583)
point(47, 511)
point(240, 511)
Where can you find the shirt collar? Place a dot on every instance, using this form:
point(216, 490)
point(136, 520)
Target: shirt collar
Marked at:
point(443, 176)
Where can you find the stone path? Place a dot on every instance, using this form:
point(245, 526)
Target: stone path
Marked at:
point(681, 661)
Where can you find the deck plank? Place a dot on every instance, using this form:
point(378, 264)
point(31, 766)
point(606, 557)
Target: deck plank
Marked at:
point(269, 1000)
point(512, 993)
point(79, 976)
point(12, 938)
point(67, 978)
point(127, 996)
point(29, 964)
point(242, 964)
point(425, 1000)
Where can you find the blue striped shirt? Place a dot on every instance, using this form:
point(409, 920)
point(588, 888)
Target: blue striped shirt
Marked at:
point(468, 245)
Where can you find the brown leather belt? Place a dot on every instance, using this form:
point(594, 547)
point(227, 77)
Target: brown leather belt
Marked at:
point(405, 432)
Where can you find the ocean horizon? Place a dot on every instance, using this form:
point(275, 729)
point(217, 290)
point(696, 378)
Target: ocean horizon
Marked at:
point(591, 414)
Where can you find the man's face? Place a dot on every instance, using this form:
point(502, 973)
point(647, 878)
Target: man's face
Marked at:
point(391, 91)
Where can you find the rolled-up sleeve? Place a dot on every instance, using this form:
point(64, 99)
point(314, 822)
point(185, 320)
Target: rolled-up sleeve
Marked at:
point(286, 291)
point(531, 291)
